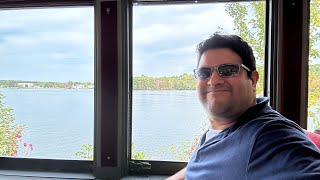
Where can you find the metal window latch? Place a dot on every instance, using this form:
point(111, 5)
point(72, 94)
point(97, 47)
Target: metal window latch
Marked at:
point(108, 10)
point(139, 166)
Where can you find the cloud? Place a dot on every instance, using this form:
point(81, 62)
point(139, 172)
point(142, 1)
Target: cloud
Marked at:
point(61, 39)
point(166, 23)
point(165, 36)
point(46, 43)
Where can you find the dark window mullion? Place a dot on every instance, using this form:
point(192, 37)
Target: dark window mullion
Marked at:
point(293, 92)
point(111, 98)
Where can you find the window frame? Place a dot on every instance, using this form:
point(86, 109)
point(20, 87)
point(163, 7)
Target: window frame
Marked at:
point(279, 81)
point(170, 167)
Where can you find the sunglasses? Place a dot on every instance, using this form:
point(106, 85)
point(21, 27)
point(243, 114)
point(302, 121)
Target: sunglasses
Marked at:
point(224, 71)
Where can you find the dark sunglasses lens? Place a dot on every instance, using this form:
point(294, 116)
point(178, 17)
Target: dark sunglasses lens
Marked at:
point(228, 70)
point(203, 73)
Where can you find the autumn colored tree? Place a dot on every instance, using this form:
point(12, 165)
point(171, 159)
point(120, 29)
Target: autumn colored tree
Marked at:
point(314, 70)
point(181, 82)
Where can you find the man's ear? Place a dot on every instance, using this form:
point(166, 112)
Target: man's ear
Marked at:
point(255, 78)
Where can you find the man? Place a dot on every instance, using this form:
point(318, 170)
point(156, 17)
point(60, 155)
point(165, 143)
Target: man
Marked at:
point(246, 138)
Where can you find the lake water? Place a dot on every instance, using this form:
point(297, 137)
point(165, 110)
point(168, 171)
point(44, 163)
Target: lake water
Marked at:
point(59, 121)
point(162, 118)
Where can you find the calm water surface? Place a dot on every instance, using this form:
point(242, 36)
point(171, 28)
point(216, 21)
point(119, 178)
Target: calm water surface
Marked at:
point(161, 118)
point(59, 121)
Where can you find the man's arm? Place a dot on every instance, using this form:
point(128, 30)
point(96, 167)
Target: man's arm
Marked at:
point(180, 175)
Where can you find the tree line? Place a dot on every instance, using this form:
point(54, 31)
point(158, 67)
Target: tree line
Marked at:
point(143, 82)
point(181, 82)
point(38, 84)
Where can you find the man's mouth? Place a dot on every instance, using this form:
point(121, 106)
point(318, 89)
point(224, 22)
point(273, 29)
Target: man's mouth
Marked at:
point(217, 90)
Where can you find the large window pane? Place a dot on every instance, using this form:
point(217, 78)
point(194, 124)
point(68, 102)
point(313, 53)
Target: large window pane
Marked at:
point(314, 67)
point(167, 118)
point(46, 83)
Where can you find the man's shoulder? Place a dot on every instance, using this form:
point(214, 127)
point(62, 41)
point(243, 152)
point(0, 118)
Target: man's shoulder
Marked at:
point(281, 146)
point(264, 118)
point(260, 114)
point(268, 126)
point(273, 118)
point(263, 115)
point(274, 123)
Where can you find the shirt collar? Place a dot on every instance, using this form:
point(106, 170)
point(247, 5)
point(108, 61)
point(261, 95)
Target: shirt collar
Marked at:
point(251, 113)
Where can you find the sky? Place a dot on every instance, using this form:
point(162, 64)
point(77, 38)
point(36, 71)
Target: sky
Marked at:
point(53, 44)
point(57, 44)
point(165, 36)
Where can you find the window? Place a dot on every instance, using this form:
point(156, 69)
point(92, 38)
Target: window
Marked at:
point(157, 37)
point(314, 67)
point(47, 81)
point(167, 119)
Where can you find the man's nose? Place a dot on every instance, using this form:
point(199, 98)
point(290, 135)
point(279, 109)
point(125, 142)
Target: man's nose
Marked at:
point(215, 79)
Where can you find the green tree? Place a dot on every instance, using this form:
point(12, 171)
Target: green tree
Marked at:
point(314, 70)
point(10, 133)
point(86, 152)
point(314, 33)
point(249, 18)
point(140, 155)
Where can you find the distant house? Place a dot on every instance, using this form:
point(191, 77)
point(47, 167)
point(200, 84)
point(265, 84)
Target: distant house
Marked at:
point(25, 85)
point(79, 86)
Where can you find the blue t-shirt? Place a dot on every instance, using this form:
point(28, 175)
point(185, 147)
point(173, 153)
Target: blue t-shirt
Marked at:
point(262, 144)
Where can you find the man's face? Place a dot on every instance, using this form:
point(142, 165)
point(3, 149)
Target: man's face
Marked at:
point(225, 98)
